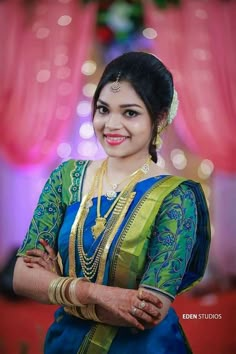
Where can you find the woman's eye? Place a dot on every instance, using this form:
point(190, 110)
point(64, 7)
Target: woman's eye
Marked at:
point(130, 113)
point(102, 109)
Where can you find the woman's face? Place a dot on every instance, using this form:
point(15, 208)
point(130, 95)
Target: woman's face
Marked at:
point(121, 122)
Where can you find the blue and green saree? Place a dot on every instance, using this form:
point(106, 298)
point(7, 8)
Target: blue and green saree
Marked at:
point(161, 244)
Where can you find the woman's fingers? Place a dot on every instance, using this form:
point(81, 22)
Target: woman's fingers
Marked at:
point(30, 263)
point(142, 315)
point(133, 321)
point(46, 259)
point(49, 250)
point(148, 296)
point(36, 253)
point(36, 260)
point(39, 256)
point(146, 307)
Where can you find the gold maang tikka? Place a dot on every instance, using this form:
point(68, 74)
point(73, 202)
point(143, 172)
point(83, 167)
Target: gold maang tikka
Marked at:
point(115, 86)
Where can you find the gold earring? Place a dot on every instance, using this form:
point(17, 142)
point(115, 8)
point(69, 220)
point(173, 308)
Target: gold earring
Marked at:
point(158, 142)
point(158, 139)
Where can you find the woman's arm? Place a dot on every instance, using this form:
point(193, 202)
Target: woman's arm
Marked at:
point(45, 225)
point(32, 282)
point(114, 305)
point(171, 246)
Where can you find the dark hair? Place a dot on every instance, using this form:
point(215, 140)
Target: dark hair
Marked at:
point(151, 80)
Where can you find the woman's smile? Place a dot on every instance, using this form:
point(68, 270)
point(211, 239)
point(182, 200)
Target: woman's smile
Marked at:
point(114, 139)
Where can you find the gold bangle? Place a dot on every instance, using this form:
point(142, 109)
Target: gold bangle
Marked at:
point(72, 292)
point(89, 312)
point(75, 311)
point(62, 292)
point(52, 290)
point(58, 291)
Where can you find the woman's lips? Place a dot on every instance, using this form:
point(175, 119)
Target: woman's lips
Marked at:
point(115, 139)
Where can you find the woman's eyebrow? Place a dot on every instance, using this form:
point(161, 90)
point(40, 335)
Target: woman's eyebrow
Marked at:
point(130, 105)
point(122, 105)
point(103, 102)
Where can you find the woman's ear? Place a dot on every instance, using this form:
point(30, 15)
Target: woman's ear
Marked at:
point(162, 122)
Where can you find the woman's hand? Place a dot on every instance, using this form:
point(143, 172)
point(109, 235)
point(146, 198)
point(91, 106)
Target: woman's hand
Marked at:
point(45, 259)
point(127, 307)
point(114, 306)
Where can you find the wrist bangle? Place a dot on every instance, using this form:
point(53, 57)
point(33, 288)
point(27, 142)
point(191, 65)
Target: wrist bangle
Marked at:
point(89, 312)
point(72, 292)
point(52, 290)
point(61, 292)
point(75, 311)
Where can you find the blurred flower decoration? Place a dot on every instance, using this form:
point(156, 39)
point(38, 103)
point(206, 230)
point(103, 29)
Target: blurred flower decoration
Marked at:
point(120, 20)
point(120, 24)
point(117, 21)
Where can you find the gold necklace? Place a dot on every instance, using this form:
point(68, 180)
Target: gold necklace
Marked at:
point(112, 194)
point(100, 221)
point(90, 264)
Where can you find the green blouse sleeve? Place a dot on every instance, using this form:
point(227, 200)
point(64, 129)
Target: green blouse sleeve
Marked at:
point(172, 241)
point(48, 214)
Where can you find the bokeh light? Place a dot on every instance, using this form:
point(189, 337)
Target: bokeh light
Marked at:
point(149, 33)
point(64, 20)
point(86, 130)
point(61, 59)
point(178, 159)
point(89, 67)
point(43, 75)
point(205, 169)
point(84, 108)
point(89, 89)
point(64, 150)
point(87, 148)
point(42, 33)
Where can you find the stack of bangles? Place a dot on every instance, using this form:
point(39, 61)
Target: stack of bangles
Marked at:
point(62, 291)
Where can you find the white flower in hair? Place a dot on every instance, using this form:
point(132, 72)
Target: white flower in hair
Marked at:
point(173, 108)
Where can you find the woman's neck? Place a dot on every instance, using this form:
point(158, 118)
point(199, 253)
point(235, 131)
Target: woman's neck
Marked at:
point(118, 168)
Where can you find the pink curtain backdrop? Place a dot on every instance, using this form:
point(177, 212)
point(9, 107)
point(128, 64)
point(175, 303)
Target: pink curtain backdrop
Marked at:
point(40, 84)
point(197, 42)
point(223, 251)
point(42, 51)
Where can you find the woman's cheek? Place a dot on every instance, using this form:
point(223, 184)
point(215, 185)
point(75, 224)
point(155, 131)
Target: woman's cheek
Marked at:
point(98, 126)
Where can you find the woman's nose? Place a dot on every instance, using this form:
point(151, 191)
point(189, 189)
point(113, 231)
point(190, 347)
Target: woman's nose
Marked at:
point(113, 121)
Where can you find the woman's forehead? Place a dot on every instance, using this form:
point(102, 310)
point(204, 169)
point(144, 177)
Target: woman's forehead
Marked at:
point(126, 94)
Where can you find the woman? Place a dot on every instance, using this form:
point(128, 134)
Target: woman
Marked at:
point(128, 239)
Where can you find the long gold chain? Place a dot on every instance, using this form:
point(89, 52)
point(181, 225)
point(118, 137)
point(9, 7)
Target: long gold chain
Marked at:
point(90, 264)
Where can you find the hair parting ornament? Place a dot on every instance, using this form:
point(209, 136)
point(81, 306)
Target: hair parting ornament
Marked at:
point(115, 87)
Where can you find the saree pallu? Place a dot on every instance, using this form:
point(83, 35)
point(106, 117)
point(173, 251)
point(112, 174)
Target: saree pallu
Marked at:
point(161, 244)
